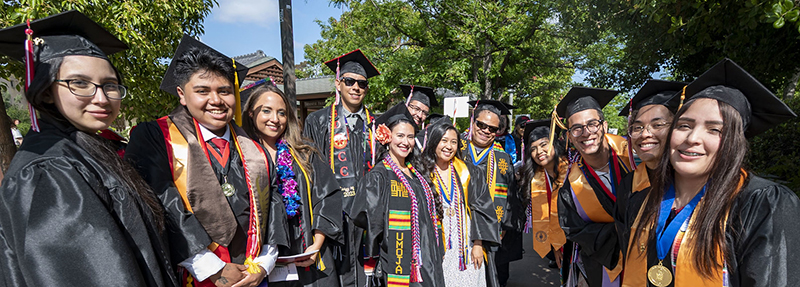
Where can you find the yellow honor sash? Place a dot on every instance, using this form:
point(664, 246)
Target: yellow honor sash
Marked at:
point(547, 231)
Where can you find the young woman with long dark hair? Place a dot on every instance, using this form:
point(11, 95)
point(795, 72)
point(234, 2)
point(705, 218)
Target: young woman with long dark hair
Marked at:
point(73, 212)
point(309, 190)
point(707, 221)
point(396, 206)
point(544, 170)
point(466, 209)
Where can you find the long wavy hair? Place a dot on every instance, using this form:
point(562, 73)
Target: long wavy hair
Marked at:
point(530, 167)
point(292, 134)
point(427, 162)
point(101, 149)
point(710, 217)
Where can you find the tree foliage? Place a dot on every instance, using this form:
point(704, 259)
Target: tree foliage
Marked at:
point(151, 28)
point(489, 49)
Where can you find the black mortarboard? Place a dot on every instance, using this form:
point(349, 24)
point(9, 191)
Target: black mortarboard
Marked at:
point(439, 119)
point(434, 117)
point(656, 92)
point(505, 109)
point(398, 111)
point(354, 62)
point(583, 98)
point(424, 95)
point(536, 129)
point(169, 83)
point(729, 83)
point(65, 34)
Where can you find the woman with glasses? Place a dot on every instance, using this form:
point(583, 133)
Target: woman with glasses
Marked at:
point(707, 221)
point(310, 192)
point(466, 211)
point(397, 208)
point(544, 170)
point(73, 213)
point(650, 114)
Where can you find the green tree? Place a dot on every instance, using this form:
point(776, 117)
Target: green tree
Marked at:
point(489, 49)
point(152, 30)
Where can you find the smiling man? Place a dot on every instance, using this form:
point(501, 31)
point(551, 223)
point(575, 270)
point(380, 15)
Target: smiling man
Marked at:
point(585, 210)
point(341, 133)
point(480, 150)
point(212, 179)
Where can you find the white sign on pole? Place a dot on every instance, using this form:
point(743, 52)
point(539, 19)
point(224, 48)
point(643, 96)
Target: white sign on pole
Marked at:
point(456, 107)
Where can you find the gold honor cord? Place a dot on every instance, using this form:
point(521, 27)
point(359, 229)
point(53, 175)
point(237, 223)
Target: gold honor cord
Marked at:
point(237, 110)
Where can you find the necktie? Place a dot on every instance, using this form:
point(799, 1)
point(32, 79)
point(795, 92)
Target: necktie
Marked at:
point(221, 151)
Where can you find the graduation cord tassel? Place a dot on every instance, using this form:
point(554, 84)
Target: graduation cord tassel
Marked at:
point(630, 141)
point(408, 100)
point(237, 110)
point(372, 143)
point(683, 96)
point(336, 101)
point(29, 73)
point(555, 121)
point(472, 120)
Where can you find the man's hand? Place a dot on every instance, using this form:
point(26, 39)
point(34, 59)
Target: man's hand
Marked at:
point(229, 275)
point(252, 280)
point(477, 254)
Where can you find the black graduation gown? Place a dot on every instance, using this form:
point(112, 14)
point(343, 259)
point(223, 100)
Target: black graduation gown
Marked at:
point(66, 220)
point(187, 237)
point(317, 129)
point(370, 210)
point(598, 242)
point(627, 199)
point(761, 234)
point(327, 207)
point(484, 225)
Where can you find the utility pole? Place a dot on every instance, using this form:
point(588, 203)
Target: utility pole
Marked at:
point(287, 45)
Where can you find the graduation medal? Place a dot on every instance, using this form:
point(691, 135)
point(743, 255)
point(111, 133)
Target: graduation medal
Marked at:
point(228, 188)
point(659, 275)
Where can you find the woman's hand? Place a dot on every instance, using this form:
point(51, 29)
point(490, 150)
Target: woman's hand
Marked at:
point(252, 279)
point(477, 253)
point(559, 257)
point(319, 238)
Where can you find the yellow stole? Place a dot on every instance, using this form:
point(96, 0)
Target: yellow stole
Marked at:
point(544, 214)
point(636, 262)
point(585, 195)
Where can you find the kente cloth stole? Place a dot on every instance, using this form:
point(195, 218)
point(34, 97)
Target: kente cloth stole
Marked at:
point(685, 273)
point(201, 193)
point(339, 153)
point(497, 190)
point(544, 210)
point(584, 196)
point(399, 237)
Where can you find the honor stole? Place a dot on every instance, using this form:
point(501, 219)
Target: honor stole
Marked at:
point(686, 273)
point(544, 210)
point(497, 190)
point(584, 195)
point(201, 194)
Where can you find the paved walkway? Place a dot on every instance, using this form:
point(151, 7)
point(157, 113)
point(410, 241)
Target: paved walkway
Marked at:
point(532, 270)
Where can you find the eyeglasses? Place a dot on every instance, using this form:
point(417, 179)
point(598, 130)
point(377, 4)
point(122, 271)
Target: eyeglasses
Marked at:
point(417, 110)
point(636, 129)
point(87, 89)
point(350, 81)
point(592, 127)
point(483, 126)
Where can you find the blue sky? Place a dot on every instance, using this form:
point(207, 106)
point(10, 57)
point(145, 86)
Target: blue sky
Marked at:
point(238, 27)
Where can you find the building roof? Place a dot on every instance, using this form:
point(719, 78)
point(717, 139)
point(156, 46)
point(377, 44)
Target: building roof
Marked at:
point(253, 59)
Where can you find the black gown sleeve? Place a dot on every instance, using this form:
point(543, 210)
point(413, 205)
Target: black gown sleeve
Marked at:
point(148, 154)
point(484, 221)
point(621, 222)
point(768, 234)
point(515, 206)
point(55, 230)
point(368, 210)
point(327, 202)
point(598, 241)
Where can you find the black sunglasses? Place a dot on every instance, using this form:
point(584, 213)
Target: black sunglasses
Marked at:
point(350, 81)
point(483, 126)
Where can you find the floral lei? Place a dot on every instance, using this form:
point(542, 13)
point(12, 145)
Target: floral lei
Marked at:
point(287, 184)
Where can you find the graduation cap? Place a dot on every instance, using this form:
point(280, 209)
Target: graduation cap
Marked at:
point(583, 98)
point(424, 95)
point(729, 83)
point(433, 117)
point(69, 33)
point(354, 62)
point(505, 109)
point(536, 129)
point(398, 111)
point(656, 92)
point(169, 83)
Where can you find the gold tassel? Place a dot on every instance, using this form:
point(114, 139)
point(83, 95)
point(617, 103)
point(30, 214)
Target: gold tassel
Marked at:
point(683, 96)
point(252, 267)
point(554, 121)
point(237, 110)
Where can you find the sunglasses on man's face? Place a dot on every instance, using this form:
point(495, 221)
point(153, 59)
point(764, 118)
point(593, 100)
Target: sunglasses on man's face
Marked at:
point(483, 126)
point(350, 81)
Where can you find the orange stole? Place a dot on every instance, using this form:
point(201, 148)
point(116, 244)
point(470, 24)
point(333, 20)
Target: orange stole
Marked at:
point(686, 274)
point(544, 214)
